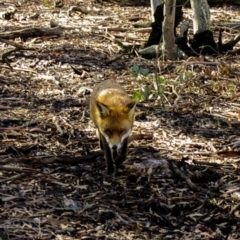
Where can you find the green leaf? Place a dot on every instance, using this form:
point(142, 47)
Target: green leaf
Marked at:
point(138, 95)
point(136, 70)
point(144, 72)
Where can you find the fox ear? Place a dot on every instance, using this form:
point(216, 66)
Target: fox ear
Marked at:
point(102, 108)
point(131, 108)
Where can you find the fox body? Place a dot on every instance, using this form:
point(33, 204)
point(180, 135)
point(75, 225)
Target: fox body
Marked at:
point(112, 111)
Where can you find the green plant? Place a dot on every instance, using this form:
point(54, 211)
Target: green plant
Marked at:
point(149, 86)
point(46, 3)
point(139, 70)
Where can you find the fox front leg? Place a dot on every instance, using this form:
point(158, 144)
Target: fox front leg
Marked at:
point(101, 143)
point(100, 139)
point(123, 153)
point(107, 154)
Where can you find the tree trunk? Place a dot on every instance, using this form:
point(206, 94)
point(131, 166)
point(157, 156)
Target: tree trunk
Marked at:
point(179, 2)
point(201, 15)
point(168, 45)
point(154, 4)
point(212, 2)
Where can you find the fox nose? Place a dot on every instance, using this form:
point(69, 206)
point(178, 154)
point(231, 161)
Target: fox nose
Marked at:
point(114, 147)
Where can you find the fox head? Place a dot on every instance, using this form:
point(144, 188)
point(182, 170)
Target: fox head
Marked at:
point(115, 123)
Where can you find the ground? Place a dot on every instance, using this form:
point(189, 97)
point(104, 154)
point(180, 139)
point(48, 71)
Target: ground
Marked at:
point(181, 178)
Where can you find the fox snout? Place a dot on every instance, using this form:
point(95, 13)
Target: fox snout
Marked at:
point(115, 147)
point(115, 141)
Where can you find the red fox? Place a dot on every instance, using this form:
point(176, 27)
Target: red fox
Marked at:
point(112, 112)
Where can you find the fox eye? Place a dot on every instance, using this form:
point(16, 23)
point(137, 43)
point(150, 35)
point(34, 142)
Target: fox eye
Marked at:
point(108, 132)
point(122, 132)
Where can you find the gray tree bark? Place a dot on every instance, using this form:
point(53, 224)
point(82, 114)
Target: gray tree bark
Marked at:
point(168, 44)
point(154, 4)
point(201, 15)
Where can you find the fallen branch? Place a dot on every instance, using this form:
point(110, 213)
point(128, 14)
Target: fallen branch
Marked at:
point(17, 48)
point(66, 158)
point(32, 32)
point(140, 137)
point(25, 33)
point(53, 159)
point(183, 176)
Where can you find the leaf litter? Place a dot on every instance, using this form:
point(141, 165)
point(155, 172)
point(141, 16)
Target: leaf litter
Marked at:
point(181, 178)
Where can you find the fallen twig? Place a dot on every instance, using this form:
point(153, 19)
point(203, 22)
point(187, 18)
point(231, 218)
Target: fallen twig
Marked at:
point(183, 176)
